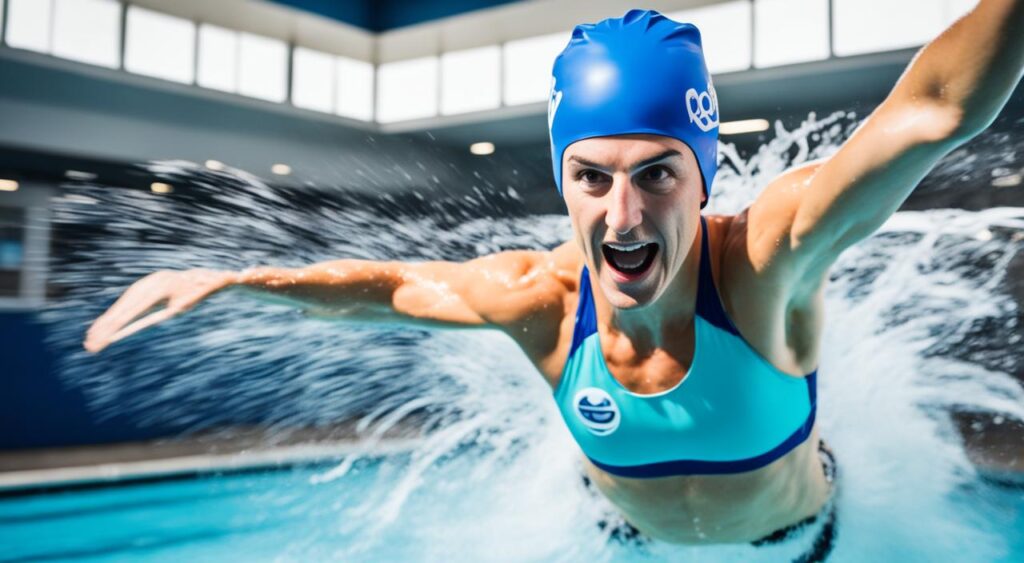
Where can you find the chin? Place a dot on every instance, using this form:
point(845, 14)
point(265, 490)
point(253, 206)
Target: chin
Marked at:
point(629, 296)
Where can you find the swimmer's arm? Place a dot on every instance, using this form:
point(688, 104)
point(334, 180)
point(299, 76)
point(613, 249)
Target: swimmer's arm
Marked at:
point(951, 91)
point(494, 291)
point(519, 292)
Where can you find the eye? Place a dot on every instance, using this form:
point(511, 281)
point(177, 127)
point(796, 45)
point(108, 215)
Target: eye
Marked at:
point(590, 176)
point(656, 174)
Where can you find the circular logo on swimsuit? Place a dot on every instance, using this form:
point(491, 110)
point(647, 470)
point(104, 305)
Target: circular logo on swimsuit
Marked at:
point(597, 411)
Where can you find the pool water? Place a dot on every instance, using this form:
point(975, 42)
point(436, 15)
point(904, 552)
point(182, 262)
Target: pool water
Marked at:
point(228, 517)
point(297, 515)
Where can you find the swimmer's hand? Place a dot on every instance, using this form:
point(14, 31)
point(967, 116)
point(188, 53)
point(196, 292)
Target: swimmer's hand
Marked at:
point(154, 299)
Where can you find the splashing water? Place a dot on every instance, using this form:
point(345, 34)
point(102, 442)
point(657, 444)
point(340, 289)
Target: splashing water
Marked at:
point(495, 476)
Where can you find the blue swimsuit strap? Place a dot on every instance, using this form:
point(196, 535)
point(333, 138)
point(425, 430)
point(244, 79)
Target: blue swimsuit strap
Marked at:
point(709, 306)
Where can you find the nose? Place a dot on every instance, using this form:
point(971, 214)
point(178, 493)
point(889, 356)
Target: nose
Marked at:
point(625, 206)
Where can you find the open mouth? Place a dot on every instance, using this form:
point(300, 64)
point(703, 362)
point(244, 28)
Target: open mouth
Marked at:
point(631, 260)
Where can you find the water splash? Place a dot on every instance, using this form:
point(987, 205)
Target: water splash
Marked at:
point(495, 475)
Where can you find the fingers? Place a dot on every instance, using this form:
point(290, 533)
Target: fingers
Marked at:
point(137, 308)
point(138, 299)
point(136, 302)
point(96, 342)
point(101, 333)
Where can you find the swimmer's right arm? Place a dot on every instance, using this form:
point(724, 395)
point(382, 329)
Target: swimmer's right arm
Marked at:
point(515, 291)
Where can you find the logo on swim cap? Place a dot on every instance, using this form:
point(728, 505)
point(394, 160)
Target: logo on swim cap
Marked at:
point(701, 106)
point(553, 101)
point(597, 411)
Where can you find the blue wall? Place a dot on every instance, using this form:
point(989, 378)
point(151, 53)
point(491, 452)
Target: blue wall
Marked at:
point(36, 408)
point(382, 15)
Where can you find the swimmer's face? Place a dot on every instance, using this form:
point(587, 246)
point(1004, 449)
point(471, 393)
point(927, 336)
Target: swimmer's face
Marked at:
point(634, 202)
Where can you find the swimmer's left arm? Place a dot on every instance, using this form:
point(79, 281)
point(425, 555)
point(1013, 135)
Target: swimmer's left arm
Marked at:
point(951, 91)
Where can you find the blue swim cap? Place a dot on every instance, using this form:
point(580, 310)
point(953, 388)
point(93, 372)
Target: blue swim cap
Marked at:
point(641, 73)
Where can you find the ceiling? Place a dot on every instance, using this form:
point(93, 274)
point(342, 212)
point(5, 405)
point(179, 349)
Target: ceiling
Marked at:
point(384, 15)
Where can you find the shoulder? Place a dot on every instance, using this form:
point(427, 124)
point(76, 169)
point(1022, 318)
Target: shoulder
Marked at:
point(522, 289)
point(531, 296)
point(779, 320)
point(757, 240)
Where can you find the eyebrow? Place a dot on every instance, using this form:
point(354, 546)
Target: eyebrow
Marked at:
point(646, 162)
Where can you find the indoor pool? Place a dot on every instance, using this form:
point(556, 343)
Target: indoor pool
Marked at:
point(921, 327)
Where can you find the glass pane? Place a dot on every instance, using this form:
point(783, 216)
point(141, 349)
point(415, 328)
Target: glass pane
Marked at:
point(312, 80)
point(527, 67)
point(28, 24)
point(790, 31)
point(88, 31)
point(407, 90)
point(725, 32)
point(12, 252)
point(354, 88)
point(470, 80)
point(10, 283)
point(160, 45)
point(957, 8)
point(218, 58)
point(865, 26)
point(263, 68)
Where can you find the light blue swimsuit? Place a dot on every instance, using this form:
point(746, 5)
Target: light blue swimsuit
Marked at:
point(733, 412)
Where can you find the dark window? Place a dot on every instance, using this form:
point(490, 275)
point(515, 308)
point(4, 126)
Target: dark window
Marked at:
point(12, 250)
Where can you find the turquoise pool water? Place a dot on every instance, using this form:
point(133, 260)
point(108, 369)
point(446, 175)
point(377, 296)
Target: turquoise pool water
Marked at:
point(241, 517)
point(298, 515)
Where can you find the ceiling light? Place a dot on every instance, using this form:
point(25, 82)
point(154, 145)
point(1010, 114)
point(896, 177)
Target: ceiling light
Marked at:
point(215, 165)
point(1007, 181)
point(743, 126)
point(79, 175)
point(482, 149)
point(8, 185)
point(281, 169)
point(161, 188)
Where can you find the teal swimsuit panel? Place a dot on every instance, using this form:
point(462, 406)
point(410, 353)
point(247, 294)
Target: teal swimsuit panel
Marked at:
point(732, 412)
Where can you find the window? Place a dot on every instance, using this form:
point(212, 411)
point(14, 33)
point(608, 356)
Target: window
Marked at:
point(527, 65)
point(24, 243)
point(470, 80)
point(957, 8)
point(262, 68)
point(88, 31)
point(790, 31)
point(407, 90)
point(28, 24)
point(218, 58)
point(159, 45)
point(353, 88)
point(312, 80)
point(866, 26)
point(725, 34)
point(12, 250)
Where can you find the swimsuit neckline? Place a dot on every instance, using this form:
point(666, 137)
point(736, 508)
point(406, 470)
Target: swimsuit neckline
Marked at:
point(689, 372)
point(687, 375)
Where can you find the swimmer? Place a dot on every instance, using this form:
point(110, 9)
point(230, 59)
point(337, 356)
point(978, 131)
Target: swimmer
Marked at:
point(681, 349)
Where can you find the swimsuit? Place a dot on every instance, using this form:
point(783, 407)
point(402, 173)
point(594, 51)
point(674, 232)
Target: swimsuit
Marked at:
point(732, 412)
